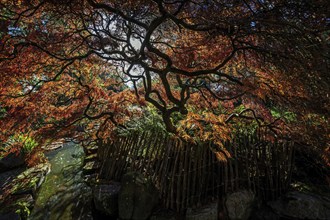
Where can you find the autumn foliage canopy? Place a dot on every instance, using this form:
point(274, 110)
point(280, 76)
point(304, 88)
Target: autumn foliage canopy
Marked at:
point(207, 67)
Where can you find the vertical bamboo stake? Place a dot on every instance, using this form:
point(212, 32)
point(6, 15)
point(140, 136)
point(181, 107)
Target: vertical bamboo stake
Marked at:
point(173, 175)
point(179, 174)
point(118, 158)
point(290, 162)
point(121, 151)
point(186, 174)
point(151, 157)
point(204, 173)
point(165, 174)
point(194, 174)
point(213, 169)
point(190, 174)
point(236, 159)
point(161, 152)
point(144, 152)
point(248, 154)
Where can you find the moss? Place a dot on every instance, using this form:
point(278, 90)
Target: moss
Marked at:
point(91, 167)
point(19, 204)
point(28, 181)
point(23, 209)
point(311, 188)
point(91, 157)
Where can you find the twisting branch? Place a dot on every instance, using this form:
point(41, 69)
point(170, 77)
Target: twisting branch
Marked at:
point(41, 82)
point(242, 115)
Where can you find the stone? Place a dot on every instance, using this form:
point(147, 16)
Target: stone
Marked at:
point(53, 146)
point(137, 197)
point(11, 161)
point(106, 198)
point(163, 214)
point(92, 149)
point(302, 205)
point(82, 209)
point(19, 193)
point(91, 179)
point(91, 167)
point(91, 157)
point(159, 217)
point(240, 204)
point(64, 195)
point(30, 180)
point(6, 178)
point(209, 212)
point(264, 212)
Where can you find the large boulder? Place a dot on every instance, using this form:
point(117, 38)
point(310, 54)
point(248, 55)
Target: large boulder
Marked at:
point(30, 180)
point(264, 212)
point(240, 204)
point(302, 205)
point(106, 198)
point(18, 194)
point(163, 214)
point(137, 197)
point(209, 212)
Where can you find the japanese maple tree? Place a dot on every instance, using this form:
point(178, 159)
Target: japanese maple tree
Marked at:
point(92, 62)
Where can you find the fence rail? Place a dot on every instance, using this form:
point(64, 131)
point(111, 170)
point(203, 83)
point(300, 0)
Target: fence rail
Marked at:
point(189, 175)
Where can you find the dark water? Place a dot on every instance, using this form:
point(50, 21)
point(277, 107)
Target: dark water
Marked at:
point(64, 195)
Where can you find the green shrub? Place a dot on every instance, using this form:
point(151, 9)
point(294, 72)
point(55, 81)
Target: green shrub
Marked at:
point(20, 142)
point(151, 120)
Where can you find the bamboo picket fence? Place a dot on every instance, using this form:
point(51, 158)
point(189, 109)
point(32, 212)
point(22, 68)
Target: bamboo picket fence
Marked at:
point(189, 175)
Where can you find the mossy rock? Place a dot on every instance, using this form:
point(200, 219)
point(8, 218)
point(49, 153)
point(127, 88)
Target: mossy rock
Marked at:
point(301, 205)
point(91, 179)
point(137, 198)
point(90, 158)
point(106, 198)
point(240, 204)
point(21, 205)
point(30, 180)
point(92, 149)
point(91, 167)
